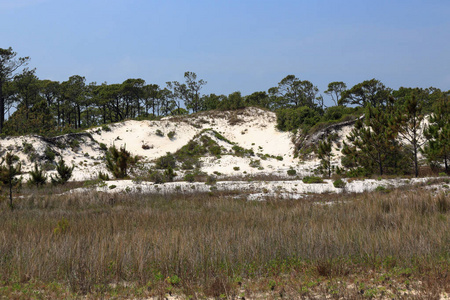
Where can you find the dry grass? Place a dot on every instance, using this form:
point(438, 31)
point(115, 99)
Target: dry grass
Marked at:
point(217, 246)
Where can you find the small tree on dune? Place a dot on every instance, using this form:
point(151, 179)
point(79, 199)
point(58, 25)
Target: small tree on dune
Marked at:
point(37, 176)
point(64, 173)
point(8, 174)
point(118, 161)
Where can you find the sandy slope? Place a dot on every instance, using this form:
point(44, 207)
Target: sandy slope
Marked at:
point(250, 128)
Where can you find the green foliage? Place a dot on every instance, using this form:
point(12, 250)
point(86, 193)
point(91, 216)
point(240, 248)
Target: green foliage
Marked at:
point(37, 176)
point(49, 154)
point(106, 128)
point(159, 133)
point(103, 147)
point(118, 161)
point(161, 177)
point(339, 183)
point(27, 147)
point(189, 177)
point(312, 179)
point(211, 180)
point(103, 176)
point(290, 119)
point(255, 163)
point(437, 150)
point(171, 135)
point(236, 168)
point(75, 145)
point(325, 156)
point(373, 143)
point(166, 161)
point(10, 168)
point(64, 173)
point(291, 172)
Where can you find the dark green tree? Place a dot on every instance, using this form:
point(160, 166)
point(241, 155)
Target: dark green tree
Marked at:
point(437, 150)
point(335, 90)
point(8, 65)
point(37, 176)
point(297, 92)
point(373, 143)
point(118, 161)
point(64, 173)
point(371, 92)
point(9, 170)
point(324, 152)
point(409, 122)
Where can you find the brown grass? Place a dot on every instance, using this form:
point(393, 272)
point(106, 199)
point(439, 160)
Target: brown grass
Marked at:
point(208, 244)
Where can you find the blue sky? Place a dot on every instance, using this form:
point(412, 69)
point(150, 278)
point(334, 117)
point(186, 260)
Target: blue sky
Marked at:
point(246, 45)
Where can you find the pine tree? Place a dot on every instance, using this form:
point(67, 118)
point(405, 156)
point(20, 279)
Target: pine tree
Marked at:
point(37, 176)
point(118, 161)
point(64, 173)
point(325, 156)
point(437, 133)
point(409, 121)
point(8, 174)
point(373, 141)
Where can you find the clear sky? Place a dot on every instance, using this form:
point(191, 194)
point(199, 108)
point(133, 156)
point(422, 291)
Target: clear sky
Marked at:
point(245, 45)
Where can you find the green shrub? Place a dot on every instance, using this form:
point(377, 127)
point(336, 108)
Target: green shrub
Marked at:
point(279, 157)
point(27, 147)
point(103, 176)
point(381, 189)
point(189, 177)
point(339, 183)
point(215, 150)
point(211, 180)
point(159, 133)
point(291, 172)
point(37, 176)
point(63, 173)
point(171, 135)
point(166, 161)
point(106, 128)
point(312, 179)
point(103, 147)
point(236, 168)
point(49, 154)
point(255, 163)
point(118, 161)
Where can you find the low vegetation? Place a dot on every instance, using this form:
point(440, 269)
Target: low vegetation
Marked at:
point(212, 245)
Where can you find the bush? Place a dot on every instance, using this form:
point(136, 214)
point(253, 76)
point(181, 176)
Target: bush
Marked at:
point(279, 157)
point(236, 168)
point(312, 179)
point(63, 173)
point(339, 183)
point(211, 180)
point(291, 172)
point(118, 161)
point(189, 177)
point(103, 176)
point(37, 176)
point(106, 128)
point(166, 161)
point(159, 133)
point(27, 147)
point(49, 154)
point(171, 135)
point(103, 147)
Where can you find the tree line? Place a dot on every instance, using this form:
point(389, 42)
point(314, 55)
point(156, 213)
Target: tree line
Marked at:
point(49, 107)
